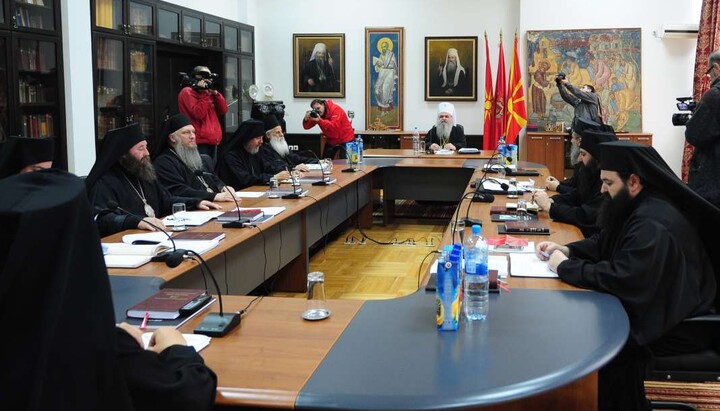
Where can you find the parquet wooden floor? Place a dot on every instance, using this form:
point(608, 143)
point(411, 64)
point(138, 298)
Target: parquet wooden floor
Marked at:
point(373, 271)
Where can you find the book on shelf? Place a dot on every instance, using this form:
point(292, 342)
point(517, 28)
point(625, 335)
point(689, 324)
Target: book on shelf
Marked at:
point(249, 215)
point(169, 303)
point(523, 227)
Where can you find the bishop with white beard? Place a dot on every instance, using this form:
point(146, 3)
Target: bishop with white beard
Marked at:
point(446, 133)
point(276, 155)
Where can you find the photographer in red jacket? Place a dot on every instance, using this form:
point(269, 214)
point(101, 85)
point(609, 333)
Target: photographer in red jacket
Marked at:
point(333, 122)
point(202, 104)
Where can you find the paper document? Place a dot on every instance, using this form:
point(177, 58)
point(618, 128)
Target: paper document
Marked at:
point(197, 341)
point(192, 218)
point(317, 167)
point(528, 265)
point(157, 237)
point(266, 210)
point(499, 263)
point(126, 261)
point(249, 194)
point(200, 247)
point(443, 151)
point(496, 166)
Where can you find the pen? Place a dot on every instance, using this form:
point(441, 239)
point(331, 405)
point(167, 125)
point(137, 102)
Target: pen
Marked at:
point(544, 254)
point(144, 323)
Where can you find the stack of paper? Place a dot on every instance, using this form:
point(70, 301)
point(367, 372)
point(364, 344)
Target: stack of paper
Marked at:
point(197, 341)
point(192, 218)
point(528, 265)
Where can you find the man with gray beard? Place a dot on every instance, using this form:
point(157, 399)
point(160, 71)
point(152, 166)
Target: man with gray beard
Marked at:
point(239, 163)
point(446, 133)
point(276, 156)
point(451, 79)
point(180, 167)
point(123, 177)
point(569, 184)
point(318, 73)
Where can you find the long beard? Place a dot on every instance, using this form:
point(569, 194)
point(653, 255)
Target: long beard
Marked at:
point(443, 130)
point(613, 212)
point(142, 169)
point(252, 150)
point(450, 71)
point(190, 156)
point(280, 146)
point(574, 153)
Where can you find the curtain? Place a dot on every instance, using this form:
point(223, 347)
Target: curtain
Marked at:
point(708, 41)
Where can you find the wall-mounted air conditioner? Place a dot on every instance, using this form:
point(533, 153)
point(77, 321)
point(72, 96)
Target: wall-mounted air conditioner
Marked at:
point(677, 31)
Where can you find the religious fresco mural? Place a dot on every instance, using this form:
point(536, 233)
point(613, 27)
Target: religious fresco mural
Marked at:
point(607, 59)
point(384, 65)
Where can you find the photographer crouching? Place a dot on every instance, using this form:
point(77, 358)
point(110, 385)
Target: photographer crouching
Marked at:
point(202, 104)
point(334, 124)
point(703, 132)
point(584, 99)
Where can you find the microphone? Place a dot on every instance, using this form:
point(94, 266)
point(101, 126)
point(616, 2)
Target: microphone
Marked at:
point(240, 223)
point(172, 259)
point(325, 178)
point(216, 324)
point(294, 195)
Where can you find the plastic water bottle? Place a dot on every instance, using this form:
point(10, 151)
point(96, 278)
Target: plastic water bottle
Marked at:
point(476, 283)
point(416, 141)
point(360, 148)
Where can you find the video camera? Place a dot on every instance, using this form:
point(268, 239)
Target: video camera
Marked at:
point(192, 81)
point(684, 104)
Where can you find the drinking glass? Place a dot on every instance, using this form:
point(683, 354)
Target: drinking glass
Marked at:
point(316, 304)
point(459, 228)
point(178, 210)
point(522, 209)
point(273, 190)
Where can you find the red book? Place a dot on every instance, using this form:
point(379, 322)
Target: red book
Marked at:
point(250, 215)
point(165, 304)
point(199, 235)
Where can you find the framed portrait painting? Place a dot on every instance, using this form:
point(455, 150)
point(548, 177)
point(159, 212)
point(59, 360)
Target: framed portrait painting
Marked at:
point(607, 59)
point(318, 65)
point(384, 50)
point(450, 68)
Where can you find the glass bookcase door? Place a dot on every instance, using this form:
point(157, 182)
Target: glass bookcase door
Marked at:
point(212, 34)
point(140, 19)
point(34, 14)
point(168, 25)
point(231, 93)
point(109, 14)
point(110, 83)
point(247, 78)
point(37, 88)
point(4, 97)
point(192, 29)
point(231, 38)
point(2, 14)
point(141, 60)
point(246, 41)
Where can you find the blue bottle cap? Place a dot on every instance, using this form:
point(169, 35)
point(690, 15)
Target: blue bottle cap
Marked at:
point(476, 229)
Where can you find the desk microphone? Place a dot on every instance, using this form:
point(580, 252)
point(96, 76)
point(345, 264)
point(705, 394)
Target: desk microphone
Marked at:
point(241, 222)
point(325, 178)
point(172, 259)
point(216, 324)
point(294, 195)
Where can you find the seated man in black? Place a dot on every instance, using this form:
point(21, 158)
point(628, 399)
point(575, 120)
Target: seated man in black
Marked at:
point(446, 133)
point(566, 185)
point(276, 155)
point(239, 163)
point(181, 168)
point(579, 207)
point(654, 254)
point(68, 354)
point(25, 154)
point(124, 175)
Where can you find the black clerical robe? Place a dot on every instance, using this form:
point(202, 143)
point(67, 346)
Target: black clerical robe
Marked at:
point(457, 137)
point(175, 379)
point(113, 186)
point(579, 206)
point(570, 184)
point(241, 169)
point(180, 180)
point(656, 265)
point(274, 163)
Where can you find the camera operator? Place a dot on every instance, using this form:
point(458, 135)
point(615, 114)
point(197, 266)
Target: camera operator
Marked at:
point(202, 104)
point(585, 101)
point(333, 122)
point(703, 132)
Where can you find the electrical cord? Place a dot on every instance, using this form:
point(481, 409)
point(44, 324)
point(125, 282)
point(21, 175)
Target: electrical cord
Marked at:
point(423, 262)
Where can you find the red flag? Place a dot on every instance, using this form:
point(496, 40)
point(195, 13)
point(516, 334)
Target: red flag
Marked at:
point(499, 101)
point(516, 108)
point(488, 117)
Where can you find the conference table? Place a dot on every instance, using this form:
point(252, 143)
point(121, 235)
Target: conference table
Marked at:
point(539, 348)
